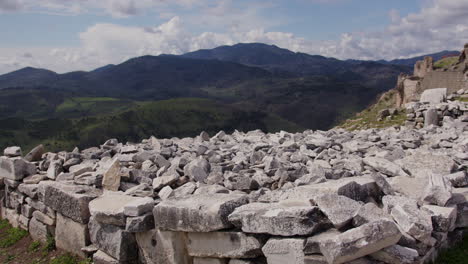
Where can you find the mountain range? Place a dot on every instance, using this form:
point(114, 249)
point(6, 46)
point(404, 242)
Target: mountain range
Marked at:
point(244, 86)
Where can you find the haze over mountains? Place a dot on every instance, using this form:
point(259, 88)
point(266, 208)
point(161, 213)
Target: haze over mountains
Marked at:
point(245, 86)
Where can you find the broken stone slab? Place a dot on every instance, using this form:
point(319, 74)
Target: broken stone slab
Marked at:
point(162, 181)
point(361, 241)
point(71, 236)
point(385, 166)
point(443, 218)
point(29, 190)
point(110, 208)
point(197, 213)
point(438, 190)
point(414, 222)
point(356, 188)
point(113, 241)
point(339, 209)
point(396, 254)
point(102, 258)
point(64, 177)
point(458, 179)
point(141, 223)
point(198, 169)
point(38, 230)
point(81, 168)
point(71, 162)
point(70, 200)
point(431, 117)
point(35, 154)
point(434, 96)
point(420, 161)
point(280, 251)
point(34, 179)
point(55, 168)
point(165, 193)
point(156, 246)
point(223, 245)
point(312, 245)
point(141, 190)
point(390, 201)
point(369, 213)
point(12, 152)
point(43, 218)
point(23, 222)
point(288, 218)
point(111, 176)
point(408, 187)
point(383, 184)
point(139, 207)
point(16, 168)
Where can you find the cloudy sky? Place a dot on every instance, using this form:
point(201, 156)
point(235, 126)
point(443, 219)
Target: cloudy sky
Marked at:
point(69, 35)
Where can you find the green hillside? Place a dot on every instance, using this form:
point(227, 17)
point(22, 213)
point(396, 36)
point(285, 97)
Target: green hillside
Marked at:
point(169, 118)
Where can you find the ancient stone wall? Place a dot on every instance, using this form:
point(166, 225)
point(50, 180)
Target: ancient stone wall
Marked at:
point(374, 196)
point(452, 80)
point(422, 68)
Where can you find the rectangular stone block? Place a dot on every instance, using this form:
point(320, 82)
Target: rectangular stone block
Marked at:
point(38, 230)
point(197, 213)
point(361, 241)
point(281, 251)
point(113, 240)
point(16, 168)
point(71, 236)
point(223, 245)
point(70, 200)
point(163, 247)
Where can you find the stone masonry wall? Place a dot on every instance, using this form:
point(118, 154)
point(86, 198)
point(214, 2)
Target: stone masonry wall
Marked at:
point(453, 81)
point(396, 195)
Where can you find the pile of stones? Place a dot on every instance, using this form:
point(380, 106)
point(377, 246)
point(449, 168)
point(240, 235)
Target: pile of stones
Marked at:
point(396, 195)
point(435, 108)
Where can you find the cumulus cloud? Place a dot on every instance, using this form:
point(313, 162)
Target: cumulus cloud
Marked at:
point(440, 24)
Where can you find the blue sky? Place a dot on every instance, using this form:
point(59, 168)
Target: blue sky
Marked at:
point(67, 35)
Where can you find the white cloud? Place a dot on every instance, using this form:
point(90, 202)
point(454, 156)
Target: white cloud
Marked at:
point(441, 24)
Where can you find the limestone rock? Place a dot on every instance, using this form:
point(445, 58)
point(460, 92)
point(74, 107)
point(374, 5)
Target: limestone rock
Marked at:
point(434, 96)
point(443, 218)
point(111, 179)
point(312, 245)
point(71, 236)
point(339, 209)
point(360, 241)
point(113, 240)
point(416, 223)
point(16, 168)
point(280, 251)
point(385, 166)
point(396, 254)
point(141, 223)
point(70, 200)
point(223, 245)
point(110, 207)
point(12, 152)
point(35, 154)
point(286, 219)
point(198, 213)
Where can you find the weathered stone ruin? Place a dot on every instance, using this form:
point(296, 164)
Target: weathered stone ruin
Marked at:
point(436, 108)
point(396, 195)
point(425, 77)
